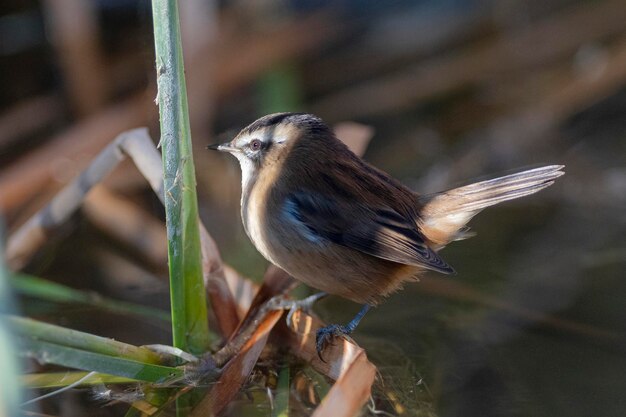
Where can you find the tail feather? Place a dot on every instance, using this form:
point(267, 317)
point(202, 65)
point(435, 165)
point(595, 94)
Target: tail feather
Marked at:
point(446, 214)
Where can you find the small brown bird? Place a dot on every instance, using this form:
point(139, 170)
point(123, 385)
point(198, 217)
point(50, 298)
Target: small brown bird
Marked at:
point(336, 223)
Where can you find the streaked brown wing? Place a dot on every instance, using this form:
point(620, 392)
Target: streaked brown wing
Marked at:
point(380, 232)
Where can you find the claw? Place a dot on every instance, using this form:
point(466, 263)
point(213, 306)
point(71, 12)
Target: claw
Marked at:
point(290, 314)
point(325, 334)
point(324, 337)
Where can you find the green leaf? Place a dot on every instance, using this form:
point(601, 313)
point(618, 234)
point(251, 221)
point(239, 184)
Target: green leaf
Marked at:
point(188, 300)
point(50, 353)
point(63, 379)
point(40, 288)
point(80, 340)
point(159, 398)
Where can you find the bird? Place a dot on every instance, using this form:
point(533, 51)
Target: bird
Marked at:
point(338, 224)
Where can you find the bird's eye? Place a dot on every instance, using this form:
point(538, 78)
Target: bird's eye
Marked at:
point(255, 144)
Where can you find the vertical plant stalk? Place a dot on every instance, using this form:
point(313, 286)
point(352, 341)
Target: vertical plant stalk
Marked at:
point(189, 310)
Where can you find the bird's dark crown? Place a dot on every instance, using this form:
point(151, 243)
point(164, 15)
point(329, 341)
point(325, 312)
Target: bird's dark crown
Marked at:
point(308, 123)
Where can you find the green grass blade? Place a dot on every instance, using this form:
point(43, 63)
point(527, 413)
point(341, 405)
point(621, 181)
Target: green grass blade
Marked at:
point(50, 353)
point(281, 400)
point(80, 340)
point(189, 309)
point(132, 412)
point(47, 290)
point(63, 379)
point(159, 398)
point(10, 392)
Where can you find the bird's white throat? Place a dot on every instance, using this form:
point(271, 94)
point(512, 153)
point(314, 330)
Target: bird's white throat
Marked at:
point(249, 172)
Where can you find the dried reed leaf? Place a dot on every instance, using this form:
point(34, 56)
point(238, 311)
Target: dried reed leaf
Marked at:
point(345, 362)
point(220, 295)
point(351, 391)
point(236, 371)
point(25, 241)
point(338, 356)
point(243, 289)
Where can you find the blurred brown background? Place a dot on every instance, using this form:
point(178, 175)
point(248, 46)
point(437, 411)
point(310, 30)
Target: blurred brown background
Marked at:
point(534, 321)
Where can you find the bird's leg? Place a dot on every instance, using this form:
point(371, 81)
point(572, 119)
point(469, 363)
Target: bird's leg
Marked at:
point(325, 334)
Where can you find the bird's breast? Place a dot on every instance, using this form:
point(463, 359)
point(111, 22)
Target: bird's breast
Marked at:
point(256, 213)
point(253, 215)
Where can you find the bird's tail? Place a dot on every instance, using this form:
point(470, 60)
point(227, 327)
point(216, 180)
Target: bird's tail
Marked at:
point(445, 215)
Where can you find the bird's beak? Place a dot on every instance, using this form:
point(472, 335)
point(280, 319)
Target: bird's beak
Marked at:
point(222, 147)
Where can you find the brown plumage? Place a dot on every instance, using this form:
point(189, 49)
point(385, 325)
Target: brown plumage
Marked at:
point(338, 224)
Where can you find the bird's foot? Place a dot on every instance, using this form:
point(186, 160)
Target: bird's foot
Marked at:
point(325, 335)
point(306, 304)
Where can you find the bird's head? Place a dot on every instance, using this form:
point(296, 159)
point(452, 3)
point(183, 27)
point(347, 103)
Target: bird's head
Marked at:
point(268, 140)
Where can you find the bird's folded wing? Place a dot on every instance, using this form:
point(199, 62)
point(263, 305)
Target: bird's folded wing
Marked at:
point(380, 231)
